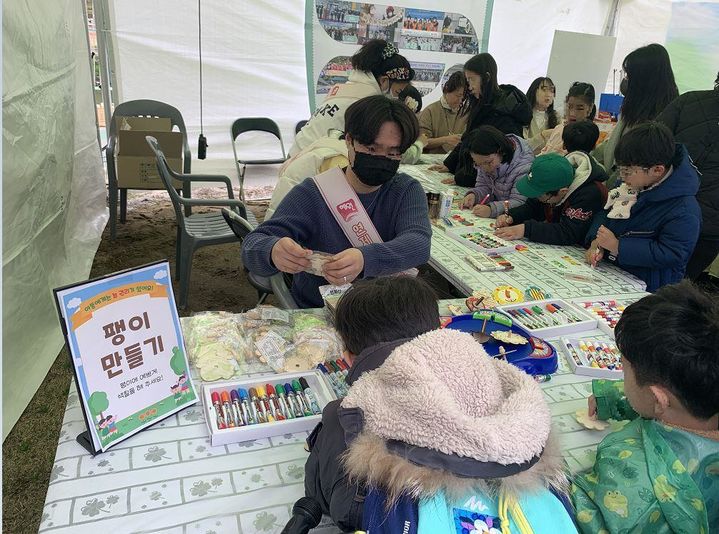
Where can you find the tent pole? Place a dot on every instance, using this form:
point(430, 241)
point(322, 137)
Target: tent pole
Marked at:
point(610, 28)
point(101, 28)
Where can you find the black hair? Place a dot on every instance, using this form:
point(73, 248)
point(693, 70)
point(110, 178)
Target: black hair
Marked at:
point(671, 339)
point(649, 143)
point(484, 65)
point(411, 92)
point(585, 91)
point(364, 118)
point(385, 309)
point(650, 83)
point(580, 135)
point(381, 58)
point(454, 82)
point(487, 140)
point(552, 117)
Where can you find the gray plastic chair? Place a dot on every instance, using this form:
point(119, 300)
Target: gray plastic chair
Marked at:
point(201, 229)
point(265, 286)
point(140, 108)
point(254, 124)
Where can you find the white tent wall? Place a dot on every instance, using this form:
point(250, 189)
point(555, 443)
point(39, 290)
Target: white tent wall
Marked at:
point(53, 184)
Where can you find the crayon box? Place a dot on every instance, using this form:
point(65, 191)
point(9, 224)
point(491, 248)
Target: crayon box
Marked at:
point(261, 425)
point(593, 357)
point(550, 317)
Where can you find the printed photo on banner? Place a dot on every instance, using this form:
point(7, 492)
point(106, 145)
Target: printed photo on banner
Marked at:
point(422, 23)
point(127, 349)
point(336, 71)
point(426, 76)
point(379, 22)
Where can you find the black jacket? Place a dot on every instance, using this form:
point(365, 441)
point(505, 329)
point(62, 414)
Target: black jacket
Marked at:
point(694, 119)
point(509, 111)
point(568, 222)
point(325, 480)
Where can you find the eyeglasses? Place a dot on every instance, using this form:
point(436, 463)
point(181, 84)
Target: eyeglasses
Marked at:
point(628, 171)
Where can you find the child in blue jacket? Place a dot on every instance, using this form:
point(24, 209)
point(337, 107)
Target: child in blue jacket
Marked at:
point(651, 222)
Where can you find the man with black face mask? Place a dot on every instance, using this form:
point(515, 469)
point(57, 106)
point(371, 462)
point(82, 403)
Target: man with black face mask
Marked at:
point(386, 211)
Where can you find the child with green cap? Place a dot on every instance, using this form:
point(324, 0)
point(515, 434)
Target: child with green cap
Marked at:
point(563, 195)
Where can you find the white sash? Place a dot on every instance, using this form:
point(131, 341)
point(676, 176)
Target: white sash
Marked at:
point(348, 211)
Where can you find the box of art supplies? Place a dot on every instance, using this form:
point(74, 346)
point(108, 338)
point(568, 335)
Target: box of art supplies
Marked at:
point(136, 165)
point(265, 406)
point(593, 357)
point(606, 311)
point(480, 240)
point(336, 372)
point(550, 317)
point(488, 262)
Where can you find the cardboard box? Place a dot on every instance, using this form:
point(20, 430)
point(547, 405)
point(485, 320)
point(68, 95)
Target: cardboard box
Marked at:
point(315, 379)
point(135, 161)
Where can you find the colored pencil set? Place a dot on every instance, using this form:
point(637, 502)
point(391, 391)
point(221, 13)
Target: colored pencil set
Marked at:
point(489, 262)
point(264, 404)
point(545, 315)
point(336, 372)
point(608, 311)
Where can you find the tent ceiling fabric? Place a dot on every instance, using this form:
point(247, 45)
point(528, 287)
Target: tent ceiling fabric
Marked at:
point(53, 185)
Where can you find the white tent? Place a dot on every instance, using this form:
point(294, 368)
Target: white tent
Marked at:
point(254, 56)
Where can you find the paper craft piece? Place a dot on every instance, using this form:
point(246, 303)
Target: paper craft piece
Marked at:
point(480, 300)
point(506, 336)
point(572, 268)
point(583, 418)
point(455, 310)
point(317, 261)
point(534, 293)
point(508, 295)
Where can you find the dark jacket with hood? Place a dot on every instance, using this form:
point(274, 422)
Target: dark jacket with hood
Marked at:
point(694, 119)
point(567, 222)
point(509, 111)
point(658, 238)
point(325, 479)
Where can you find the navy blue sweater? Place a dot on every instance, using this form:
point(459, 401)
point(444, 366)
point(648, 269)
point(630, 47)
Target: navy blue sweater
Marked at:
point(658, 238)
point(398, 210)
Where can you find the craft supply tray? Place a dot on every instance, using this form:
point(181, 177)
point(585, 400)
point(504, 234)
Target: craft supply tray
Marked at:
point(484, 241)
point(316, 382)
point(580, 364)
point(561, 323)
point(536, 357)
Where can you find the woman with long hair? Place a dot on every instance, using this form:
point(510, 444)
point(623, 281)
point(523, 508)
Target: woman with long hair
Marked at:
point(541, 94)
point(648, 87)
point(487, 103)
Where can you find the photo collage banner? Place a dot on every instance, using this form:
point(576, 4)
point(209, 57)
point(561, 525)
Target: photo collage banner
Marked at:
point(437, 43)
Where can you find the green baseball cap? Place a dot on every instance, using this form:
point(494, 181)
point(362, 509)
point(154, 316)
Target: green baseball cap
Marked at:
point(549, 172)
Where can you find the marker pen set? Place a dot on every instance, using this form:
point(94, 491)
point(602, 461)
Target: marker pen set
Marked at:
point(488, 262)
point(593, 357)
point(336, 372)
point(551, 317)
point(481, 241)
point(607, 313)
point(263, 406)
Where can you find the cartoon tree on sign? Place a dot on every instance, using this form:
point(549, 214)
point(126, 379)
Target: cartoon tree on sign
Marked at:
point(98, 403)
point(177, 362)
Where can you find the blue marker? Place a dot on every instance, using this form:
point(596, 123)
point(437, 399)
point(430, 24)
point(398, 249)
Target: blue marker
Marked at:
point(247, 413)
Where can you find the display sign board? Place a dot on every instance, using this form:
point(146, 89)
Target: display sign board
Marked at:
point(128, 355)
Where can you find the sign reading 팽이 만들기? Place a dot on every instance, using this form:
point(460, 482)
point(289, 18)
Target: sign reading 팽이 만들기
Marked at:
point(124, 337)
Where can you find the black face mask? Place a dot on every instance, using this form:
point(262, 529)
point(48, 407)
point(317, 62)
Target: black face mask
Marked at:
point(623, 85)
point(374, 170)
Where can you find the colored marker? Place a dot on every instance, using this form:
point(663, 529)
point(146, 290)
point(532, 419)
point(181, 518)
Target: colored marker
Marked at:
point(274, 404)
point(247, 411)
point(280, 389)
point(265, 404)
point(484, 199)
point(506, 208)
point(257, 407)
point(311, 397)
point(293, 401)
point(333, 380)
point(236, 410)
point(218, 410)
point(227, 409)
point(302, 398)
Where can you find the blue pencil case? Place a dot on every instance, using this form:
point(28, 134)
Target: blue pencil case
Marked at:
point(536, 357)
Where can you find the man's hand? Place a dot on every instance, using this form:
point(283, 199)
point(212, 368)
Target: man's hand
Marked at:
point(344, 267)
point(439, 168)
point(289, 257)
point(510, 233)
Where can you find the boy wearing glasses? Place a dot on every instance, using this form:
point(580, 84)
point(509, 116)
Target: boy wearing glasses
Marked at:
point(651, 222)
